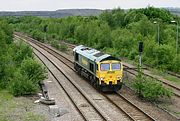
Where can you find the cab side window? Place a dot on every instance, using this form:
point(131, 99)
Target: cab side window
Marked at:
point(76, 57)
point(91, 67)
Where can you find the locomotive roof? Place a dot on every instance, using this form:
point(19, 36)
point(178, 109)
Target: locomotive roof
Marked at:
point(92, 54)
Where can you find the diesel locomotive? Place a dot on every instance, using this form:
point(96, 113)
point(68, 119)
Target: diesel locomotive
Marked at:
point(104, 71)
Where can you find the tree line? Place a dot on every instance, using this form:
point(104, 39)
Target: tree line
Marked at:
point(20, 73)
point(116, 32)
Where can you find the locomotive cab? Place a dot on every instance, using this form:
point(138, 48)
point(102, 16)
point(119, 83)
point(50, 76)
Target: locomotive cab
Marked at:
point(110, 73)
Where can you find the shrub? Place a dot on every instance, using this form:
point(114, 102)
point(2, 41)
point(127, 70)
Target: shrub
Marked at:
point(59, 46)
point(71, 40)
point(23, 51)
point(21, 85)
point(34, 71)
point(150, 89)
point(176, 64)
point(153, 90)
point(55, 44)
point(26, 79)
point(38, 35)
point(133, 54)
point(63, 47)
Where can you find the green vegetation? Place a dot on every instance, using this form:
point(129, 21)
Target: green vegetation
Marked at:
point(116, 32)
point(59, 46)
point(150, 89)
point(19, 75)
point(166, 75)
point(26, 79)
point(19, 71)
point(34, 117)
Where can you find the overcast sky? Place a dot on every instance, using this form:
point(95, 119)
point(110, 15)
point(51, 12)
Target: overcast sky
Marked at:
point(18, 5)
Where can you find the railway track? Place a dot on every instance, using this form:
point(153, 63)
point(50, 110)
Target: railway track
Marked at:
point(87, 109)
point(174, 74)
point(132, 112)
point(128, 107)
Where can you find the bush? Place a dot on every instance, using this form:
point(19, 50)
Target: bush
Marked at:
point(21, 85)
point(26, 79)
point(176, 64)
point(59, 46)
point(23, 51)
point(153, 90)
point(63, 47)
point(38, 35)
point(55, 44)
point(133, 54)
point(150, 89)
point(34, 71)
point(71, 40)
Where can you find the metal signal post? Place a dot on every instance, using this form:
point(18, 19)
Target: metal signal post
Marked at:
point(45, 30)
point(140, 54)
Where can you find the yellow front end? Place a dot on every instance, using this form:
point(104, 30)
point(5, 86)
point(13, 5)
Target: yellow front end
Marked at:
point(110, 72)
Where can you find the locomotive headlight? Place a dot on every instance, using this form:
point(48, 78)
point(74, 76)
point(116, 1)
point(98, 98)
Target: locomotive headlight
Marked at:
point(102, 78)
point(118, 77)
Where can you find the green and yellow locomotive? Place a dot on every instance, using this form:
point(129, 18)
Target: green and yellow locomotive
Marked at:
point(104, 71)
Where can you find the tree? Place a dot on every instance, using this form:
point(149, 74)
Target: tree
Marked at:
point(123, 41)
point(104, 36)
point(107, 17)
point(81, 33)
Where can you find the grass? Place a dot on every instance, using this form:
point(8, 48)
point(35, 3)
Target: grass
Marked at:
point(166, 76)
point(34, 117)
point(17, 108)
point(172, 78)
point(168, 107)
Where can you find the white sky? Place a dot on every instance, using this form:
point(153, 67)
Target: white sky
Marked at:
point(18, 5)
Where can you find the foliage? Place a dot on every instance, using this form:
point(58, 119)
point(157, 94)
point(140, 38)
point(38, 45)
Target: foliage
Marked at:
point(176, 63)
point(152, 13)
point(150, 89)
point(34, 71)
point(19, 72)
point(55, 44)
point(23, 51)
point(21, 85)
point(63, 47)
point(26, 78)
point(59, 46)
